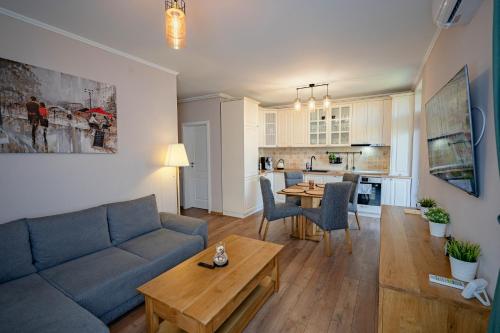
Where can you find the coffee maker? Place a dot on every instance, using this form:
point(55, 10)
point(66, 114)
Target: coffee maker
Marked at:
point(266, 163)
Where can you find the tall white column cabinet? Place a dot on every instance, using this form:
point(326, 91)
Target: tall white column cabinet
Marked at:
point(240, 141)
point(403, 106)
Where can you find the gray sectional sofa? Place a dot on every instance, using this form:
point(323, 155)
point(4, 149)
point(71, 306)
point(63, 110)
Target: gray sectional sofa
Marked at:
point(77, 272)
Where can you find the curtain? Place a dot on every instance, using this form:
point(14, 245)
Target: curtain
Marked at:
point(494, 326)
point(496, 73)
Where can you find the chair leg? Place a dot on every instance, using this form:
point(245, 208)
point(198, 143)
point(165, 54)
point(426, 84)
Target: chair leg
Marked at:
point(328, 247)
point(357, 220)
point(261, 223)
point(348, 239)
point(265, 231)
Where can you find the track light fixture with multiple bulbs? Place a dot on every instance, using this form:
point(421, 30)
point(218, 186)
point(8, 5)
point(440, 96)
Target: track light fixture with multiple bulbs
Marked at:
point(311, 103)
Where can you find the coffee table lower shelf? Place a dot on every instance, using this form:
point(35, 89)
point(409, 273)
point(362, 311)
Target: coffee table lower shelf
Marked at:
point(240, 318)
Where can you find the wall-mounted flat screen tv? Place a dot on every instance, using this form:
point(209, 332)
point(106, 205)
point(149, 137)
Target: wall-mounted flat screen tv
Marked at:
point(450, 138)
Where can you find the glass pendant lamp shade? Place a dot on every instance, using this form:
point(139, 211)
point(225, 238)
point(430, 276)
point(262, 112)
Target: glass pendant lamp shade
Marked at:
point(175, 23)
point(297, 105)
point(312, 103)
point(327, 102)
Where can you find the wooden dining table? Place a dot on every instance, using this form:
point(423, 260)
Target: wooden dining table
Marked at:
point(309, 198)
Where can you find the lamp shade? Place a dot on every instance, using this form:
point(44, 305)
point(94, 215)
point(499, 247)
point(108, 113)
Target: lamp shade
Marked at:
point(176, 155)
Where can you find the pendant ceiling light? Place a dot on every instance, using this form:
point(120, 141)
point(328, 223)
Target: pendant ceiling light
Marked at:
point(175, 23)
point(297, 105)
point(327, 101)
point(311, 104)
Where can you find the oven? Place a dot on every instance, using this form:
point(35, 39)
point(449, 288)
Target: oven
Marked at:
point(370, 191)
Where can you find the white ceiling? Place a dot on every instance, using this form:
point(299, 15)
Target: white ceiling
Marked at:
point(261, 49)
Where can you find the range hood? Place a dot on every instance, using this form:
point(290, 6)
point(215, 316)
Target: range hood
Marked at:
point(367, 145)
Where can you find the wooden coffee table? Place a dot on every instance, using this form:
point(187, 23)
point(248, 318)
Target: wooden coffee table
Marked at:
point(196, 299)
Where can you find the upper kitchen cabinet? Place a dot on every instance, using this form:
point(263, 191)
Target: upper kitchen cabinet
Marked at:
point(268, 128)
point(340, 124)
point(387, 122)
point(240, 132)
point(402, 134)
point(368, 121)
point(298, 128)
point(283, 139)
point(317, 127)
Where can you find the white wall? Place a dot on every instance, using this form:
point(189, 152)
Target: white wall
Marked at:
point(41, 184)
point(207, 110)
point(473, 219)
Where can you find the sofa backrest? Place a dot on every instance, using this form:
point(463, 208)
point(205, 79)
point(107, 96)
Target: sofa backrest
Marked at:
point(129, 219)
point(60, 238)
point(15, 251)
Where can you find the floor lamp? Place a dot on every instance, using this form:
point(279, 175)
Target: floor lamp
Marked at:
point(177, 157)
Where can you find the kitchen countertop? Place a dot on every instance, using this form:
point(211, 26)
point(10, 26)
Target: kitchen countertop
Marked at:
point(379, 173)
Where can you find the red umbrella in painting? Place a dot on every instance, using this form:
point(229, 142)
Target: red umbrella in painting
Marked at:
point(100, 110)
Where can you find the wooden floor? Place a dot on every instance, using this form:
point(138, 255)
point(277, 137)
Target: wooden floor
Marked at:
point(317, 293)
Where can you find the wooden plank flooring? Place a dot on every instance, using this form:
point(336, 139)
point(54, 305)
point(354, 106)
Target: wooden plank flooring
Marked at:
point(317, 293)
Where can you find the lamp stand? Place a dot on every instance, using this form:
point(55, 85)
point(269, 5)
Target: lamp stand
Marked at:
point(177, 185)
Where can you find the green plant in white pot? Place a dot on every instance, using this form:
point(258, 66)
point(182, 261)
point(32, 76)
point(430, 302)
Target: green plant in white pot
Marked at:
point(438, 220)
point(425, 204)
point(463, 259)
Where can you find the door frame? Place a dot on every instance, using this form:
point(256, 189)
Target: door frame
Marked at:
point(209, 166)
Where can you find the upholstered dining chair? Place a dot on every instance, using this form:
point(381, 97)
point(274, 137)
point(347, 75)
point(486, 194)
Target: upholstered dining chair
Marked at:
point(272, 210)
point(353, 199)
point(333, 214)
point(293, 178)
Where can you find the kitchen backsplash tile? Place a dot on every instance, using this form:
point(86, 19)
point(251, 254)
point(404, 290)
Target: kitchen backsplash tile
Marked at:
point(372, 158)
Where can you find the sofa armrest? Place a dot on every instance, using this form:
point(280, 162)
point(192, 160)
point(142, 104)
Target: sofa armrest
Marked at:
point(185, 225)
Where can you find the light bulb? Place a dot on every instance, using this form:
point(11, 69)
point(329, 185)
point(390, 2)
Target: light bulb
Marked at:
point(297, 105)
point(327, 102)
point(311, 104)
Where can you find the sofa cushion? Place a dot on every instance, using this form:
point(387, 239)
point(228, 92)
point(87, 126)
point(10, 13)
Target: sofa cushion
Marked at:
point(31, 304)
point(100, 281)
point(59, 238)
point(15, 251)
point(164, 248)
point(129, 219)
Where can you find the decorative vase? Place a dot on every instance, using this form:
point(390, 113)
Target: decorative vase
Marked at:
point(463, 270)
point(437, 229)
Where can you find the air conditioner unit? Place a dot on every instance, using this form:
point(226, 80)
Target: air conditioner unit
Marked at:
point(447, 13)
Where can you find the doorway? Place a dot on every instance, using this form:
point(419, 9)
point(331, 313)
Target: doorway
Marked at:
point(196, 177)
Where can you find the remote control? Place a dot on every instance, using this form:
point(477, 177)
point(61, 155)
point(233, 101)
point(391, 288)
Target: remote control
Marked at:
point(202, 264)
point(446, 281)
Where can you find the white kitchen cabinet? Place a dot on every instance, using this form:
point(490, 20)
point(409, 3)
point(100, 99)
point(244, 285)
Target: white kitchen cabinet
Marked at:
point(387, 123)
point(375, 122)
point(317, 127)
point(368, 122)
point(340, 125)
point(298, 129)
point(396, 192)
point(278, 185)
point(359, 121)
point(268, 128)
point(332, 179)
point(283, 120)
point(240, 132)
point(402, 134)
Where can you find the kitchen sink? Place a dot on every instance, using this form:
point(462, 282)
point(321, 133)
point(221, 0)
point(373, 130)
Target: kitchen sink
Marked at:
point(317, 170)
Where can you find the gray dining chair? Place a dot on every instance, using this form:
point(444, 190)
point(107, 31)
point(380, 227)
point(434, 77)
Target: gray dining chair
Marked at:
point(293, 178)
point(333, 214)
point(353, 199)
point(272, 210)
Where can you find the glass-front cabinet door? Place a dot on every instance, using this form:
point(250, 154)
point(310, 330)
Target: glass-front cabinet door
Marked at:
point(270, 128)
point(340, 125)
point(317, 127)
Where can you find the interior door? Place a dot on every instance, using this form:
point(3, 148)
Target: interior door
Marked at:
point(195, 176)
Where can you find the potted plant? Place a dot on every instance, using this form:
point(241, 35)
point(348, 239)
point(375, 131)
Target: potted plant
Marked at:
point(331, 158)
point(425, 204)
point(438, 219)
point(463, 259)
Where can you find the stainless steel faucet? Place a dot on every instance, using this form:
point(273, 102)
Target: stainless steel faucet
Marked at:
point(311, 165)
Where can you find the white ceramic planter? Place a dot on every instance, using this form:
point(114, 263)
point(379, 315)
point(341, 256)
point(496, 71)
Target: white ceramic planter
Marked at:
point(437, 229)
point(462, 270)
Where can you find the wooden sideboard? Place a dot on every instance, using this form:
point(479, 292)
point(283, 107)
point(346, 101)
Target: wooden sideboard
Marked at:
point(408, 302)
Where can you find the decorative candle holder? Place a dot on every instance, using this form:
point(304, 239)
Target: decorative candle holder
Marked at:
point(220, 257)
